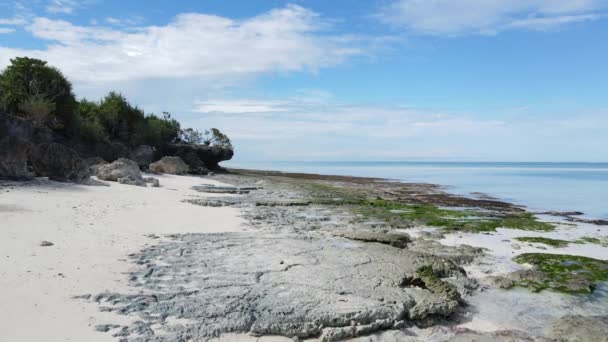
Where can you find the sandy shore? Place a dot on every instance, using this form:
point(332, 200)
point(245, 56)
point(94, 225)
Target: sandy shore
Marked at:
point(297, 255)
point(93, 230)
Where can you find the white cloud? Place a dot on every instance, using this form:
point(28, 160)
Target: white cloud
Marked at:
point(207, 47)
point(6, 30)
point(62, 6)
point(239, 106)
point(462, 17)
point(14, 21)
point(130, 21)
point(303, 129)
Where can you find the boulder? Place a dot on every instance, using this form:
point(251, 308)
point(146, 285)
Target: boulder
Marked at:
point(130, 180)
point(143, 155)
point(95, 163)
point(58, 162)
point(197, 167)
point(171, 165)
point(121, 168)
point(154, 183)
point(13, 158)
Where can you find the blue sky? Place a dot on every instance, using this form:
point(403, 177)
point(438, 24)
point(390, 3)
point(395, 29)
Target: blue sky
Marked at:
point(487, 80)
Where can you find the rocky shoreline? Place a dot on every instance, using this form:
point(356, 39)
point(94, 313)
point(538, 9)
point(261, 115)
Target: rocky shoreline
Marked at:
point(332, 258)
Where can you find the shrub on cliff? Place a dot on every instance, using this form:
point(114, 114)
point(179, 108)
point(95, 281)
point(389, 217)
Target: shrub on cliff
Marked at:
point(119, 117)
point(156, 131)
point(30, 88)
point(212, 137)
point(39, 93)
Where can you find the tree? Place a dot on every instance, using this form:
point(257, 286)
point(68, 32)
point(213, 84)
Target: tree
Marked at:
point(118, 116)
point(192, 136)
point(32, 89)
point(216, 138)
point(157, 131)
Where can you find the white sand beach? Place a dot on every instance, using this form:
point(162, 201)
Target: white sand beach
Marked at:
point(93, 229)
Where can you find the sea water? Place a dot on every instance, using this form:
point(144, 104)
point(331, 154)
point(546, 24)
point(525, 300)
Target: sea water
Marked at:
point(539, 186)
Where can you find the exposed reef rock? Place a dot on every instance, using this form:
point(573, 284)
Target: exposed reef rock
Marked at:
point(170, 165)
point(199, 157)
point(268, 284)
point(392, 239)
point(58, 162)
point(13, 158)
point(579, 329)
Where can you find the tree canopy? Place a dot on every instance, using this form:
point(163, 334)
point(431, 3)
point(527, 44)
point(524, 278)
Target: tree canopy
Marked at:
point(32, 89)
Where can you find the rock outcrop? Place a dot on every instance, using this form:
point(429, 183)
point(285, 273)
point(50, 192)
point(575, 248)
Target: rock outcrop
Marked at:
point(58, 162)
point(143, 155)
point(200, 158)
point(13, 126)
point(170, 165)
point(121, 168)
point(95, 163)
point(13, 158)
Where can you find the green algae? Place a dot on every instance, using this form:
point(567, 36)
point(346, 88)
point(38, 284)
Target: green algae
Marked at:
point(433, 282)
point(402, 215)
point(564, 273)
point(469, 220)
point(546, 241)
point(593, 240)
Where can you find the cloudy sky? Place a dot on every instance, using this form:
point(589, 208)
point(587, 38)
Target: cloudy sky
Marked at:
point(483, 80)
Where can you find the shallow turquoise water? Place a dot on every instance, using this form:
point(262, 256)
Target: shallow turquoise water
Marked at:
point(540, 186)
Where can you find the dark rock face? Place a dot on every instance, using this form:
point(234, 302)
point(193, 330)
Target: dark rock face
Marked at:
point(58, 162)
point(14, 126)
point(143, 155)
point(13, 158)
point(200, 158)
point(109, 151)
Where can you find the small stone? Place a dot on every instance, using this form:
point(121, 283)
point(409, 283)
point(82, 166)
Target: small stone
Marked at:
point(46, 244)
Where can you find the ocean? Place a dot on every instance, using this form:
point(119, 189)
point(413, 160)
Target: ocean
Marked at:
point(539, 186)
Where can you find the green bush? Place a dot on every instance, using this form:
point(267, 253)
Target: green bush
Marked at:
point(156, 131)
point(118, 117)
point(32, 89)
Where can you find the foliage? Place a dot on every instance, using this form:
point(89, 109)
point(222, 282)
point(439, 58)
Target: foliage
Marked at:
point(37, 108)
point(32, 89)
point(192, 136)
point(216, 138)
point(156, 131)
point(119, 117)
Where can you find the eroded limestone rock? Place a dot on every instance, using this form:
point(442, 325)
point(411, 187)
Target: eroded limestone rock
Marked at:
point(269, 284)
point(170, 165)
point(120, 168)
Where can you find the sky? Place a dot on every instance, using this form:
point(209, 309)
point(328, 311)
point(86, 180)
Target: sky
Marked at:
point(346, 80)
